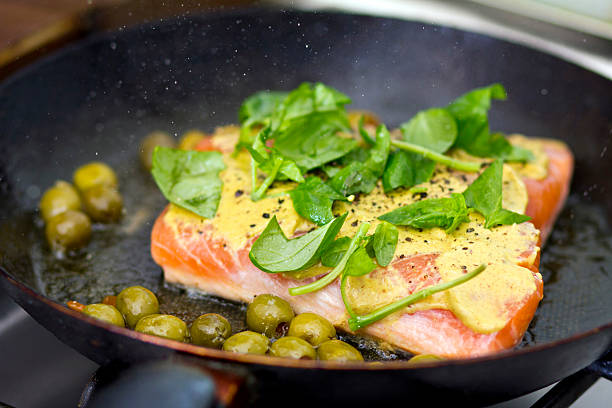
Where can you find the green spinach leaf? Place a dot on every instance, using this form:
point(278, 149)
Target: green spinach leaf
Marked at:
point(313, 200)
point(474, 136)
point(485, 196)
point(257, 109)
point(335, 251)
point(359, 263)
point(434, 129)
point(313, 141)
point(352, 179)
point(273, 252)
point(362, 174)
point(445, 213)
point(384, 243)
point(406, 169)
point(364, 133)
point(189, 179)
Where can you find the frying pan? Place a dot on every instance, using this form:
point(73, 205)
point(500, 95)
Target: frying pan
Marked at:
point(96, 99)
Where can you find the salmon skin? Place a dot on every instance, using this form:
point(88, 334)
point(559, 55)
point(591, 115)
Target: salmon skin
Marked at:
point(477, 318)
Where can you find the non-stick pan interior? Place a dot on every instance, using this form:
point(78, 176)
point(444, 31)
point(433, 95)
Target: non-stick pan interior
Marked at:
point(96, 100)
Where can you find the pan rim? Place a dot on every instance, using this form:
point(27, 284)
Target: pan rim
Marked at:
point(229, 357)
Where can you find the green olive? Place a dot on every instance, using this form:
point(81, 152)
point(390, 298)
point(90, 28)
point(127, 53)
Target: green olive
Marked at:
point(162, 325)
point(103, 203)
point(424, 358)
point(106, 313)
point(94, 174)
point(293, 347)
point(68, 230)
point(269, 314)
point(136, 302)
point(149, 143)
point(312, 328)
point(58, 199)
point(191, 139)
point(247, 342)
point(337, 350)
point(210, 330)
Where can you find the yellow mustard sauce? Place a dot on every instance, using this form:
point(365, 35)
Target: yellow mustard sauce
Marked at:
point(480, 303)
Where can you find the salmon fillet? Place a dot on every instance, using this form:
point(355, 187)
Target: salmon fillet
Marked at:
point(194, 253)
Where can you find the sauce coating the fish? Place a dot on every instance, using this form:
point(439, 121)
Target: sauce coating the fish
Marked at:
point(487, 314)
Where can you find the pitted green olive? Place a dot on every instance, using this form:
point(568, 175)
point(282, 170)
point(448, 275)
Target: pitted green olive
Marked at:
point(269, 314)
point(247, 342)
point(103, 203)
point(312, 328)
point(135, 303)
point(161, 325)
point(68, 230)
point(106, 313)
point(58, 199)
point(94, 174)
point(337, 350)
point(210, 330)
point(293, 347)
point(149, 143)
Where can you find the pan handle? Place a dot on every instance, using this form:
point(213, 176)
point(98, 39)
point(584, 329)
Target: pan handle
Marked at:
point(568, 390)
point(164, 384)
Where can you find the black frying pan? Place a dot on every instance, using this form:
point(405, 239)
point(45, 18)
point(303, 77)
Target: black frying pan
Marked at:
point(98, 98)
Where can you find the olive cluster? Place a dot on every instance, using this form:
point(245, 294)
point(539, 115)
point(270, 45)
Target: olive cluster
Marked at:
point(69, 211)
point(274, 328)
point(305, 336)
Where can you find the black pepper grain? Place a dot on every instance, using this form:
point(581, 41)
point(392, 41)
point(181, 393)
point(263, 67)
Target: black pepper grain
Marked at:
point(469, 230)
point(354, 224)
point(252, 225)
point(265, 215)
point(238, 193)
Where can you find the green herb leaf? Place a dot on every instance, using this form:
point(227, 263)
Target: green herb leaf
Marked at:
point(335, 251)
point(359, 263)
point(470, 112)
point(445, 213)
point(306, 100)
point(273, 252)
point(313, 200)
point(379, 153)
point(189, 179)
point(384, 243)
point(358, 322)
point(260, 106)
point(406, 169)
point(352, 179)
point(434, 129)
point(257, 109)
point(331, 276)
point(485, 196)
point(272, 163)
point(364, 133)
point(361, 174)
point(313, 141)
